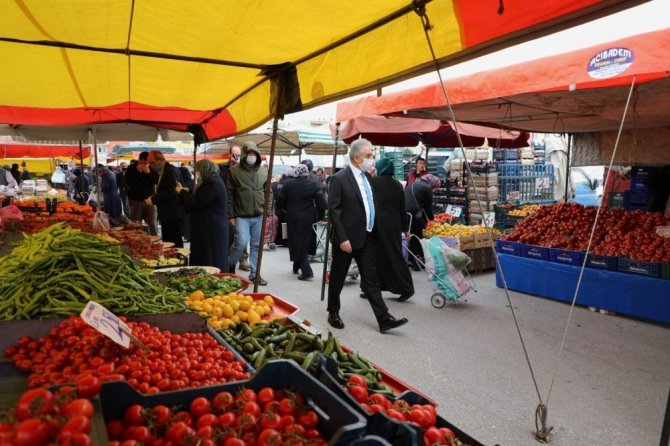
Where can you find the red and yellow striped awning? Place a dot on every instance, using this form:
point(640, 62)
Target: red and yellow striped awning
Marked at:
point(213, 67)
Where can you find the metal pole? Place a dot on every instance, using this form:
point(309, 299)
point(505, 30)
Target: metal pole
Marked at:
point(81, 171)
point(268, 189)
point(95, 169)
point(567, 170)
point(328, 225)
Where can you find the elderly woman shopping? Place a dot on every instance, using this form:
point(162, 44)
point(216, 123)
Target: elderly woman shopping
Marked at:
point(208, 205)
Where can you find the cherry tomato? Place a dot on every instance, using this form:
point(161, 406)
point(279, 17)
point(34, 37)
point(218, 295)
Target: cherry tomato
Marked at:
point(134, 415)
point(268, 437)
point(35, 402)
point(88, 386)
point(265, 395)
point(200, 406)
point(31, 432)
point(357, 380)
point(79, 406)
point(309, 419)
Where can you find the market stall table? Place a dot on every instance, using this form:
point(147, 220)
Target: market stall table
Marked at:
point(627, 294)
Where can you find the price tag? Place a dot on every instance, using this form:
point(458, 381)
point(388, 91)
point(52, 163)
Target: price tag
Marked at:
point(106, 323)
point(513, 195)
point(488, 219)
point(456, 211)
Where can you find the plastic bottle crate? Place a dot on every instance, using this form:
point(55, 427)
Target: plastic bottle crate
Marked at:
point(566, 256)
point(534, 252)
point(639, 267)
point(339, 423)
point(599, 261)
point(505, 154)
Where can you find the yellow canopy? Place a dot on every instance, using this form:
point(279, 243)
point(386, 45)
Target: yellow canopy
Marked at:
point(215, 67)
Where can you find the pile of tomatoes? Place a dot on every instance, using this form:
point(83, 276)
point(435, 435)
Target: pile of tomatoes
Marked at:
point(60, 417)
point(248, 417)
point(619, 233)
point(421, 415)
point(171, 361)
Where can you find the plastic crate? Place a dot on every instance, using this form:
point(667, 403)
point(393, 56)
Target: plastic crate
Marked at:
point(511, 220)
point(639, 267)
point(566, 257)
point(599, 261)
point(535, 252)
point(371, 440)
point(339, 423)
point(508, 247)
point(636, 197)
point(379, 424)
point(505, 154)
point(665, 271)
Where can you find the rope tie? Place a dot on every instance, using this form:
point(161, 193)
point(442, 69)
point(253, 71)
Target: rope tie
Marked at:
point(541, 429)
point(419, 6)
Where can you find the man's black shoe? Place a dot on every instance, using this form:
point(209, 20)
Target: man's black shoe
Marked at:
point(403, 297)
point(390, 322)
point(295, 271)
point(363, 296)
point(304, 277)
point(335, 321)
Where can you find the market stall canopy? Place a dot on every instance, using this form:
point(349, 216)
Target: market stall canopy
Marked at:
point(288, 143)
point(584, 91)
point(102, 132)
point(14, 150)
point(219, 68)
point(408, 132)
point(121, 149)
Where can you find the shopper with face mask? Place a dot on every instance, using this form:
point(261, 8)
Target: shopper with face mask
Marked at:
point(170, 212)
point(246, 196)
point(352, 213)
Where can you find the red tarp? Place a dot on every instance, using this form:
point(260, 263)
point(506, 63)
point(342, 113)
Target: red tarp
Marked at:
point(408, 132)
point(581, 91)
point(42, 151)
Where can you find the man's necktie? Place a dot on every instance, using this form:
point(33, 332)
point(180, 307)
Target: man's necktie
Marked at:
point(371, 205)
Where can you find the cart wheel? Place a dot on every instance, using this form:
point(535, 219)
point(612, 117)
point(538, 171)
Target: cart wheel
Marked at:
point(272, 246)
point(438, 300)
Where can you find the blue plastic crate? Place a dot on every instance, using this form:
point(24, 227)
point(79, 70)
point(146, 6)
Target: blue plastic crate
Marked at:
point(566, 257)
point(639, 267)
point(339, 423)
point(598, 261)
point(534, 252)
point(505, 154)
point(507, 247)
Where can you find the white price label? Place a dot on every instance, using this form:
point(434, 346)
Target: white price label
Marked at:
point(488, 219)
point(514, 195)
point(456, 211)
point(106, 323)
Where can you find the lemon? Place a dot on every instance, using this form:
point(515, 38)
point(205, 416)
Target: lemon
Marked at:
point(253, 317)
point(269, 300)
point(242, 315)
point(197, 295)
point(227, 310)
point(235, 319)
point(245, 305)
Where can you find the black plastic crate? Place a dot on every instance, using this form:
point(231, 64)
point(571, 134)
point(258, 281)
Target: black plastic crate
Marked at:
point(599, 261)
point(639, 267)
point(379, 424)
point(371, 440)
point(339, 423)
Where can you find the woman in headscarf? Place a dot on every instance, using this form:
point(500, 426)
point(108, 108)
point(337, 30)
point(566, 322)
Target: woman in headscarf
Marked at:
point(208, 205)
point(419, 203)
point(81, 186)
point(391, 223)
point(111, 199)
point(304, 204)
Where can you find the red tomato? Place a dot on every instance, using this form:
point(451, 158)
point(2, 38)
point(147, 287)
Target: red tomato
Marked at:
point(88, 386)
point(160, 414)
point(208, 419)
point(30, 432)
point(265, 395)
point(115, 429)
point(226, 420)
point(270, 420)
point(357, 380)
point(200, 406)
point(421, 417)
point(286, 406)
point(269, 437)
point(359, 393)
point(309, 419)
point(252, 408)
point(79, 406)
point(79, 439)
point(134, 415)
point(223, 401)
point(35, 402)
point(378, 398)
point(75, 425)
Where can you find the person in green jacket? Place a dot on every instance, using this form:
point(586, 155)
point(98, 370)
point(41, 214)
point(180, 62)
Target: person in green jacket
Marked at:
point(246, 196)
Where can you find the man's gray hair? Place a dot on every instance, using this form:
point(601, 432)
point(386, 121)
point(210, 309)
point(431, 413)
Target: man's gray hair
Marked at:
point(358, 146)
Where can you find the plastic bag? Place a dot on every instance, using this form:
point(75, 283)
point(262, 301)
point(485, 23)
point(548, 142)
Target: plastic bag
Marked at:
point(101, 221)
point(458, 259)
point(11, 212)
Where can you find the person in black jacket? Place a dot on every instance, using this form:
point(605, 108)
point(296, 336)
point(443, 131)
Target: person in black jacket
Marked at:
point(123, 190)
point(351, 211)
point(305, 204)
point(208, 208)
point(81, 186)
point(170, 212)
point(140, 181)
point(419, 203)
point(391, 222)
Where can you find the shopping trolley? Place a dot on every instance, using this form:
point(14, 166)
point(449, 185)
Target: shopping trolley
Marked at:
point(445, 268)
point(321, 231)
point(270, 231)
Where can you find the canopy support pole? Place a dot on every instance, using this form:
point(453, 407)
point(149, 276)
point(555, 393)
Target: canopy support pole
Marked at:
point(329, 224)
point(567, 169)
point(81, 161)
point(98, 195)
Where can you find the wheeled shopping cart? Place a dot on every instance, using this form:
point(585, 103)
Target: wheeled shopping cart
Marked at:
point(445, 267)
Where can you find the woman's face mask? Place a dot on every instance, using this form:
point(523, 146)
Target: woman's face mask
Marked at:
point(251, 160)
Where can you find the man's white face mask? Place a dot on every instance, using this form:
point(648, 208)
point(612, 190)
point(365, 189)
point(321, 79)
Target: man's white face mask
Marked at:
point(251, 160)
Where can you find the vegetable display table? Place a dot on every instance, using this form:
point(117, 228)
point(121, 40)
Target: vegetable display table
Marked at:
point(627, 294)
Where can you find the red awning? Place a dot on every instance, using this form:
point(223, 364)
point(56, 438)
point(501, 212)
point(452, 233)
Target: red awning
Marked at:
point(408, 132)
point(42, 151)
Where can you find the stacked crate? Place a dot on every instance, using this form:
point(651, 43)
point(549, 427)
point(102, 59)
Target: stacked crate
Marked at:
point(482, 195)
point(477, 154)
point(527, 156)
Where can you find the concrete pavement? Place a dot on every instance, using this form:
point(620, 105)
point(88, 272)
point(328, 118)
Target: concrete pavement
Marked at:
point(611, 388)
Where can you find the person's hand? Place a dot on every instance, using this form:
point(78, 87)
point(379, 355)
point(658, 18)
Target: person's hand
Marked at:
point(373, 171)
point(231, 222)
point(149, 201)
point(346, 246)
point(178, 187)
point(408, 235)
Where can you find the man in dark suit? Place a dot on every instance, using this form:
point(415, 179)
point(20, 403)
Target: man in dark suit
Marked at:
point(351, 210)
point(170, 212)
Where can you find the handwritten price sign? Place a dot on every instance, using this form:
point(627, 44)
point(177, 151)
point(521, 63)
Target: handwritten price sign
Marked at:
point(106, 323)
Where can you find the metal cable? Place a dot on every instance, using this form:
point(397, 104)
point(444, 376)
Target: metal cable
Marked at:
point(426, 28)
point(588, 247)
